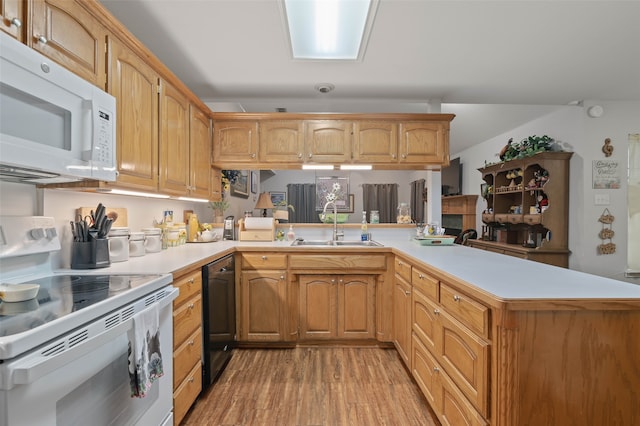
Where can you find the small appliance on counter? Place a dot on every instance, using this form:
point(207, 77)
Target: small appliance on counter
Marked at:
point(229, 229)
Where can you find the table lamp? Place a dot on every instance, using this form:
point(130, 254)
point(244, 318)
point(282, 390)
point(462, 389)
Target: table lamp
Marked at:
point(264, 202)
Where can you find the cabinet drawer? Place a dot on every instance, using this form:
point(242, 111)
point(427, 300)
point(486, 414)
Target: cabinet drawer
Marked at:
point(465, 358)
point(471, 313)
point(189, 285)
point(186, 356)
point(455, 408)
point(186, 394)
point(324, 262)
point(426, 323)
point(264, 261)
point(425, 283)
point(403, 268)
point(186, 319)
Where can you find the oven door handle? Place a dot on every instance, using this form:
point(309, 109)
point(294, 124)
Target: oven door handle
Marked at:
point(34, 366)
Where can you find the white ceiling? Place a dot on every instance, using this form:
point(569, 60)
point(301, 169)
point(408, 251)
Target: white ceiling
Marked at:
point(495, 64)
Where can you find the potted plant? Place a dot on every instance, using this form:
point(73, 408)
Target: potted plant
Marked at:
point(218, 209)
point(281, 211)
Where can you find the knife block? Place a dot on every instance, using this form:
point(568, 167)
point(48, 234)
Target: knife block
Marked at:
point(90, 254)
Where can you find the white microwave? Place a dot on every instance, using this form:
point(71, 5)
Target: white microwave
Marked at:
point(54, 126)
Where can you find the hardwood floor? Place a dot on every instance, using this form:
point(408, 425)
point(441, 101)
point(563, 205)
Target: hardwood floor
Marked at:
point(313, 386)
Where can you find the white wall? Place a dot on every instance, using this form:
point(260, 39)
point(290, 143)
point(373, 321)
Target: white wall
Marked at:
point(577, 132)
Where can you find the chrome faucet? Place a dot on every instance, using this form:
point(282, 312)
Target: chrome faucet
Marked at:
point(336, 234)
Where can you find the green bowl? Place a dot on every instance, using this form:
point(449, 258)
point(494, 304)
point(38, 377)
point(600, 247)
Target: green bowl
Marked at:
point(341, 218)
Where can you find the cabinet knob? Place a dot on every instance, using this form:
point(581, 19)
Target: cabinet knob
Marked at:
point(282, 277)
point(190, 281)
point(191, 379)
point(456, 298)
point(404, 156)
point(310, 155)
point(253, 155)
point(42, 39)
point(436, 369)
point(436, 312)
point(16, 22)
point(333, 281)
point(421, 276)
point(299, 155)
point(191, 306)
point(264, 257)
point(191, 342)
point(393, 156)
point(407, 292)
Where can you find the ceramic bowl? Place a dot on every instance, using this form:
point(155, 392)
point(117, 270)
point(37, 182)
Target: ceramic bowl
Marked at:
point(18, 292)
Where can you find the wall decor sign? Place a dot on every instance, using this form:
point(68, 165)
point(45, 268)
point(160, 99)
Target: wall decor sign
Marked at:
point(606, 174)
point(325, 186)
point(240, 188)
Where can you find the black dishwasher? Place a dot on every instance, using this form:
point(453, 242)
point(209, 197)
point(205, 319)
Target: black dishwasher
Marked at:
point(219, 316)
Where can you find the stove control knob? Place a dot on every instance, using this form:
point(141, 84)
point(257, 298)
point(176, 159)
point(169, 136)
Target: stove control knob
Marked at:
point(51, 233)
point(37, 233)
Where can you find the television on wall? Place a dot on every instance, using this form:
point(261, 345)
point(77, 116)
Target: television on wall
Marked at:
point(451, 178)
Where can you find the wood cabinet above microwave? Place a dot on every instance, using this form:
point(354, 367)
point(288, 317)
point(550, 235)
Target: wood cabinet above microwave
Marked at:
point(288, 140)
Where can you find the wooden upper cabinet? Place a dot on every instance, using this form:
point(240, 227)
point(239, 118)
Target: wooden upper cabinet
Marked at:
point(200, 153)
point(13, 18)
point(216, 184)
point(281, 141)
point(375, 142)
point(424, 142)
point(236, 141)
point(174, 140)
point(135, 87)
point(64, 31)
point(328, 141)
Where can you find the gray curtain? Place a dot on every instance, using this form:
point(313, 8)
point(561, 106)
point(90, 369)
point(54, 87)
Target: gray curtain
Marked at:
point(417, 200)
point(302, 196)
point(382, 197)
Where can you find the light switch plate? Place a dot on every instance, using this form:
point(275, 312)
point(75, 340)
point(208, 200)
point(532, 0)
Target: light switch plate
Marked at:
point(601, 199)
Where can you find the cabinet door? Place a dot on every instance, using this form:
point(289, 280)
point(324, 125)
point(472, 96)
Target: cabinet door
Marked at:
point(135, 86)
point(356, 296)
point(235, 141)
point(328, 141)
point(65, 32)
point(216, 184)
point(402, 318)
point(263, 300)
point(375, 142)
point(200, 153)
point(174, 140)
point(318, 314)
point(13, 18)
point(423, 142)
point(426, 371)
point(425, 321)
point(281, 141)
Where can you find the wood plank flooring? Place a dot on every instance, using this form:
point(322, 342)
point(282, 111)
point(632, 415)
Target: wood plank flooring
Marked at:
point(313, 386)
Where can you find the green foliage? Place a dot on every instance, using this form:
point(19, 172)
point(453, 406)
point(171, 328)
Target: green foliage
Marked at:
point(284, 204)
point(219, 206)
point(528, 147)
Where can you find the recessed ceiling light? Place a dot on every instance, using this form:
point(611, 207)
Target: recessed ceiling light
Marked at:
point(329, 29)
point(324, 87)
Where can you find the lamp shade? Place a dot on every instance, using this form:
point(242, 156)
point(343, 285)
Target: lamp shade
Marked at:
point(264, 202)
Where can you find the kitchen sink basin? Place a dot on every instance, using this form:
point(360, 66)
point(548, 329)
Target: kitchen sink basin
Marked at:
point(330, 243)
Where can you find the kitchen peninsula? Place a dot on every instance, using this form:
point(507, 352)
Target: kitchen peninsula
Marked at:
point(491, 339)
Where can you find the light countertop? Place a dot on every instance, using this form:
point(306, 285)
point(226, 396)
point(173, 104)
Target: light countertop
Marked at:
point(505, 277)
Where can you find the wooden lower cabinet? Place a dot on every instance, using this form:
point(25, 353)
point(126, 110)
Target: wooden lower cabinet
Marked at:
point(263, 296)
point(187, 343)
point(402, 318)
point(337, 307)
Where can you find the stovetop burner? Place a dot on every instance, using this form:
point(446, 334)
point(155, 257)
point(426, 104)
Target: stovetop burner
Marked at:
point(61, 295)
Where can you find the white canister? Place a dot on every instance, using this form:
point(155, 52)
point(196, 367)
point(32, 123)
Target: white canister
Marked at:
point(119, 244)
point(153, 239)
point(136, 244)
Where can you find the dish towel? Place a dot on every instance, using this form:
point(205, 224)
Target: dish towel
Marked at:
point(145, 359)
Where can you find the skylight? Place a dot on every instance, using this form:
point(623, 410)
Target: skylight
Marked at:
point(329, 29)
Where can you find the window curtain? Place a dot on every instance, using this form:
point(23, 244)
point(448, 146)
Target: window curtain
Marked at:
point(382, 197)
point(417, 200)
point(302, 196)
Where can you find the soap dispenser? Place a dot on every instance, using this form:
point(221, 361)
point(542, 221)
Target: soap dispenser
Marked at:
point(291, 235)
point(364, 235)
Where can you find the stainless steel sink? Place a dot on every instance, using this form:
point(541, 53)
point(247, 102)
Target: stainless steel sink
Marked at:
point(331, 243)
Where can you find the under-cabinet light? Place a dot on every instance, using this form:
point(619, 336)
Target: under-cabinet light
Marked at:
point(329, 29)
point(195, 200)
point(356, 167)
point(134, 193)
point(317, 167)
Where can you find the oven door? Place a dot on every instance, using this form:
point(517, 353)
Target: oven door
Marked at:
point(89, 383)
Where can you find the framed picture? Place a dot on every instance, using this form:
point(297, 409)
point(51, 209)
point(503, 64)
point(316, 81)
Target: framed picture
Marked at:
point(278, 197)
point(254, 182)
point(241, 187)
point(350, 207)
point(325, 186)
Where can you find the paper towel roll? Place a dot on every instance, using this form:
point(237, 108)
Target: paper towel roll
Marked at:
point(258, 223)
